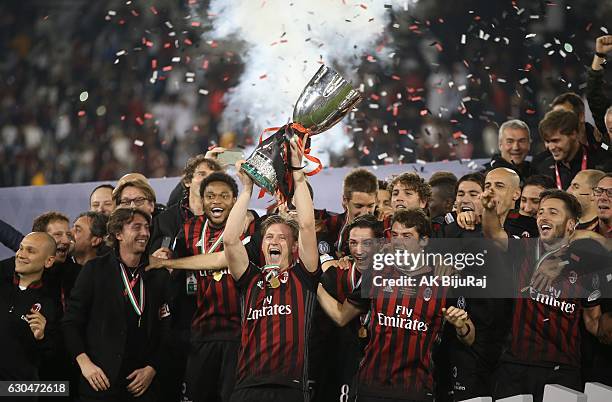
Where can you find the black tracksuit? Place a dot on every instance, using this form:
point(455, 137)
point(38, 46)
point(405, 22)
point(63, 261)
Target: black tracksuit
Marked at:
point(21, 353)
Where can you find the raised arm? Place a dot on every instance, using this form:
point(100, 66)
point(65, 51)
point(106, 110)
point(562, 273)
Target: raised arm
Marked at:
point(201, 262)
point(491, 226)
point(340, 313)
point(305, 212)
point(235, 253)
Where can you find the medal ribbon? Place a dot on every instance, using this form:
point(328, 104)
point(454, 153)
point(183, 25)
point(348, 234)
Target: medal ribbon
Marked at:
point(129, 286)
point(313, 164)
point(583, 166)
point(205, 238)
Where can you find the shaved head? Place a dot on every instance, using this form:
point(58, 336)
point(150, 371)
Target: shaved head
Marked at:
point(47, 241)
point(505, 187)
point(513, 178)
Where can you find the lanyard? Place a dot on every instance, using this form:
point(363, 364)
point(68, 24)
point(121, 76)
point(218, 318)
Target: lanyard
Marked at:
point(129, 288)
point(204, 239)
point(583, 166)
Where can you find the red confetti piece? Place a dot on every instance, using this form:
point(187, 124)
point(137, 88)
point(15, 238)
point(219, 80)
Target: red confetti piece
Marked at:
point(205, 64)
point(424, 112)
point(457, 134)
point(135, 13)
point(403, 132)
point(366, 151)
point(167, 45)
point(122, 117)
point(371, 58)
point(121, 22)
point(195, 23)
point(81, 113)
point(148, 115)
point(153, 10)
point(263, 76)
point(167, 68)
point(213, 44)
point(396, 77)
point(530, 111)
point(375, 97)
point(139, 120)
point(154, 64)
point(149, 43)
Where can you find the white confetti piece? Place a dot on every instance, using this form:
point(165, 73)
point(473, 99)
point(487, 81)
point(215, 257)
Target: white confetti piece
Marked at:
point(120, 53)
point(382, 156)
point(531, 35)
point(463, 39)
point(523, 81)
point(138, 143)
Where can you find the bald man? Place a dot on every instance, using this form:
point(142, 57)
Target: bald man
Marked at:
point(504, 186)
point(27, 316)
point(582, 188)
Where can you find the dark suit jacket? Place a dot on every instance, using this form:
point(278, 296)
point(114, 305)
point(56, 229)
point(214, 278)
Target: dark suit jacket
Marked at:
point(95, 323)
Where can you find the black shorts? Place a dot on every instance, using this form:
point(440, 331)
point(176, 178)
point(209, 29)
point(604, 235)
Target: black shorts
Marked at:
point(211, 371)
point(269, 394)
point(517, 379)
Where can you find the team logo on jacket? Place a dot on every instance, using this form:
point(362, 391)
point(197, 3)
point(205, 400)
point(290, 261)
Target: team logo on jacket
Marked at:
point(595, 282)
point(461, 302)
point(427, 294)
point(164, 311)
point(323, 247)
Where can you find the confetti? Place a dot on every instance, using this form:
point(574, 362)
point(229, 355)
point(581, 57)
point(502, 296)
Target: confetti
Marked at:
point(83, 96)
point(138, 143)
point(568, 48)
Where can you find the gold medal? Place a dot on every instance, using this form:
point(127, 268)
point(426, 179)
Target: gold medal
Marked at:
point(218, 275)
point(362, 333)
point(274, 282)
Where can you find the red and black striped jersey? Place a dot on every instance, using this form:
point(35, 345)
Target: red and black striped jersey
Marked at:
point(334, 228)
point(276, 323)
point(217, 315)
point(545, 327)
point(404, 326)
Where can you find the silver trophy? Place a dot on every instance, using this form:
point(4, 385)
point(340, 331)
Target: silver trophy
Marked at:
point(325, 100)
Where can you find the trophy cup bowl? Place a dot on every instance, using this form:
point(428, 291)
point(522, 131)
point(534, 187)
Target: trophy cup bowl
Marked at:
point(325, 100)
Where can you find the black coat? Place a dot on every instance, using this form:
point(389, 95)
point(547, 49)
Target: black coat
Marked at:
point(95, 319)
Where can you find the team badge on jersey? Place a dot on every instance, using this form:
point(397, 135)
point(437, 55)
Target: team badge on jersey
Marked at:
point(572, 277)
point(427, 294)
point(323, 247)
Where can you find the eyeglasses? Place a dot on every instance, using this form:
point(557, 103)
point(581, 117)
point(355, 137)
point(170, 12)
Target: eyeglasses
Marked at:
point(139, 202)
point(599, 191)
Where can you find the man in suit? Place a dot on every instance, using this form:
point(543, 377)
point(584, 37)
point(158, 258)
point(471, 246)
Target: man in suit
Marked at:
point(116, 323)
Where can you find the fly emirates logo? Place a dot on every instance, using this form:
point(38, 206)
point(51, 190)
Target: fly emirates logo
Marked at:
point(403, 319)
point(268, 309)
point(552, 299)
